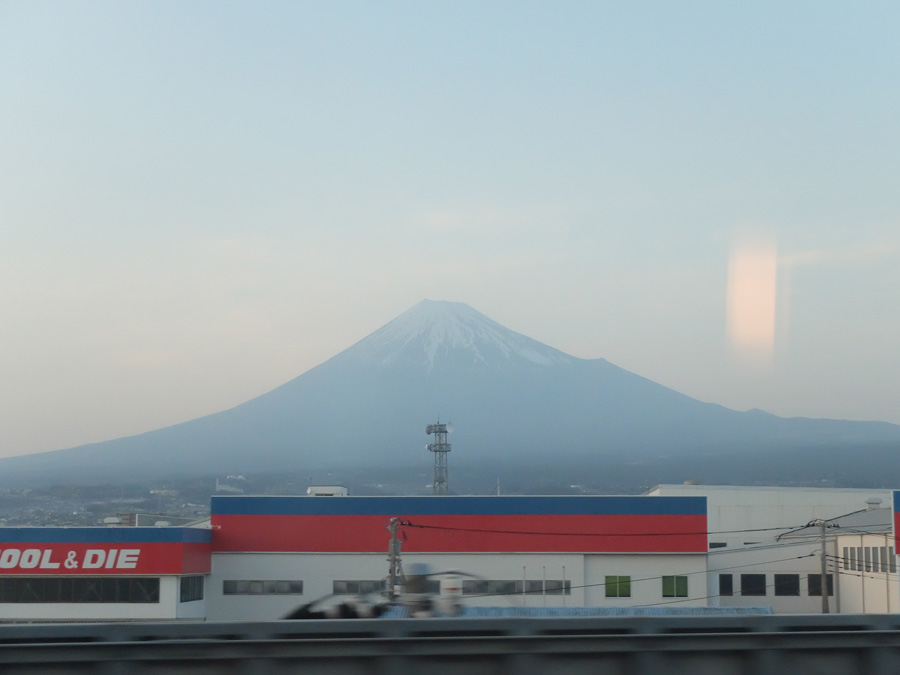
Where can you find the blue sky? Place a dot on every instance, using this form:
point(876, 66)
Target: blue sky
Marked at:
point(200, 201)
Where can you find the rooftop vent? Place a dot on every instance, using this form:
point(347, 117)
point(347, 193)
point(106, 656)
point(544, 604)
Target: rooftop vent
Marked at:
point(873, 503)
point(327, 491)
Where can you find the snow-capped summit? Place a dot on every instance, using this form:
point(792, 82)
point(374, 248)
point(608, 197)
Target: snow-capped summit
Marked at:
point(441, 332)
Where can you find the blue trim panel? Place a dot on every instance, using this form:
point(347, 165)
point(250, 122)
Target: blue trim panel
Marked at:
point(896, 501)
point(104, 535)
point(399, 506)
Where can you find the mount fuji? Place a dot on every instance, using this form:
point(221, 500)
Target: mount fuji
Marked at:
point(511, 398)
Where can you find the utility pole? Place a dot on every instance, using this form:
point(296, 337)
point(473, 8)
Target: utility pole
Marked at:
point(395, 569)
point(887, 573)
point(824, 567)
point(862, 571)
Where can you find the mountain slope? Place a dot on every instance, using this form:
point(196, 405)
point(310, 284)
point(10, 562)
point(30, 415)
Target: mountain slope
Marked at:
point(512, 398)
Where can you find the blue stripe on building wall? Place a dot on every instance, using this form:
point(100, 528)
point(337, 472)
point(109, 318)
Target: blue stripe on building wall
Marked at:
point(104, 535)
point(390, 506)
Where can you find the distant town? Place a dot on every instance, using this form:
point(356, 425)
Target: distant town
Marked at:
point(188, 498)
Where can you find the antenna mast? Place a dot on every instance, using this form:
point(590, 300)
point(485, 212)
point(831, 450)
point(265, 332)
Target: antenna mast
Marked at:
point(440, 448)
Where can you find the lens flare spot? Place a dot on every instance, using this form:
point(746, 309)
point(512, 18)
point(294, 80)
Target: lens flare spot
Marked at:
point(752, 282)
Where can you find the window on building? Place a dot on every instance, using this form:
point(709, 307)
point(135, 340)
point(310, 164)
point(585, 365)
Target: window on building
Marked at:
point(191, 589)
point(814, 584)
point(262, 587)
point(131, 590)
point(892, 560)
point(850, 561)
point(787, 584)
point(674, 587)
point(558, 587)
point(357, 586)
point(501, 587)
point(726, 584)
point(717, 544)
point(475, 586)
point(618, 587)
point(511, 587)
point(753, 584)
point(529, 586)
point(875, 566)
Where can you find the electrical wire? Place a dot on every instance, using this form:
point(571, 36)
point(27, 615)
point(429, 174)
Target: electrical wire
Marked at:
point(762, 547)
point(407, 523)
point(778, 543)
point(659, 577)
point(885, 532)
point(870, 575)
point(717, 595)
point(838, 562)
point(829, 523)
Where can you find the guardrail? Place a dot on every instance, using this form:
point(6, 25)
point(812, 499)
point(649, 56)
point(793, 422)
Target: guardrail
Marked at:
point(745, 645)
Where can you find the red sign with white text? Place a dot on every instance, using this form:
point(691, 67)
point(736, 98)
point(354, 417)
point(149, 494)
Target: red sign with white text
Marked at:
point(95, 559)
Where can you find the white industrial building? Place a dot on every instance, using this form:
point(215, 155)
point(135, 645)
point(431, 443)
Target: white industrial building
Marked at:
point(763, 550)
point(508, 551)
point(741, 515)
point(103, 573)
point(259, 558)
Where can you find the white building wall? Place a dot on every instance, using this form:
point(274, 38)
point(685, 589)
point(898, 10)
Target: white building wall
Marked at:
point(867, 589)
point(801, 558)
point(732, 510)
point(511, 566)
point(585, 573)
point(646, 571)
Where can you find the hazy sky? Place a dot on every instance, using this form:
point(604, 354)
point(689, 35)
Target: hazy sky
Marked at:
point(201, 200)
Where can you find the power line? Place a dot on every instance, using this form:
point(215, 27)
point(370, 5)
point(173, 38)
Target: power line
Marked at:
point(870, 575)
point(719, 595)
point(763, 547)
point(716, 595)
point(838, 562)
point(407, 523)
point(659, 577)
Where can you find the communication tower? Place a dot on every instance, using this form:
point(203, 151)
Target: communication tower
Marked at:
point(440, 448)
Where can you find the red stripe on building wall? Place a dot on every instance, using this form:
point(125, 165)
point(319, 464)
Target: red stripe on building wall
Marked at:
point(896, 530)
point(102, 559)
point(463, 533)
point(196, 558)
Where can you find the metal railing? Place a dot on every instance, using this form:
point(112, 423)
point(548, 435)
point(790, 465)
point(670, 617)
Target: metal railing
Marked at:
point(745, 645)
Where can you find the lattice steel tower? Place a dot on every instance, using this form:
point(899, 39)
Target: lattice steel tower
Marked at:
point(440, 448)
